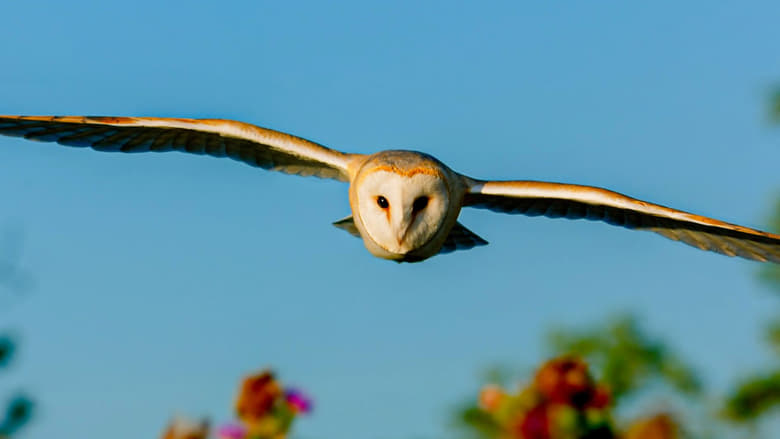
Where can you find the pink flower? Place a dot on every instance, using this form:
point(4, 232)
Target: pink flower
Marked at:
point(298, 401)
point(231, 431)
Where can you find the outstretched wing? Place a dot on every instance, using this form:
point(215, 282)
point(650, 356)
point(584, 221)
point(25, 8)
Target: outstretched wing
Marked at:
point(250, 144)
point(557, 200)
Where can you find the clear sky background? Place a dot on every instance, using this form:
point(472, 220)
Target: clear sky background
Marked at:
point(162, 278)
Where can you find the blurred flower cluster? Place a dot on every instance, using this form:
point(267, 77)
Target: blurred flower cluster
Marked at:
point(265, 409)
point(562, 401)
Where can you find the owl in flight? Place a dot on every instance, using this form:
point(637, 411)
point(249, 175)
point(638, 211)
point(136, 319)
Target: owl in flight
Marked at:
point(405, 204)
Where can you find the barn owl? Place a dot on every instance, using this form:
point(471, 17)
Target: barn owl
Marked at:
point(405, 204)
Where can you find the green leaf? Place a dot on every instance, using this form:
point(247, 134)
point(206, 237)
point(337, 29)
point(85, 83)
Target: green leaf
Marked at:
point(770, 273)
point(753, 397)
point(478, 421)
point(773, 335)
point(774, 106)
point(6, 351)
point(17, 415)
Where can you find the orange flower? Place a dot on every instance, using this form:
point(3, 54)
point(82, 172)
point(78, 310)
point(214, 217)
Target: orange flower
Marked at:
point(490, 397)
point(257, 397)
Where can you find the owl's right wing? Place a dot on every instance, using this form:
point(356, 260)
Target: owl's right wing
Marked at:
point(256, 146)
point(557, 200)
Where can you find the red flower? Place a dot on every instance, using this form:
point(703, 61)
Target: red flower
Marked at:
point(565, 380)
point(535, 424)
point(600, 398)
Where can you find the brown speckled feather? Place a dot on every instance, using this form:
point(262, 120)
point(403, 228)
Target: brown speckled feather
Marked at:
point(557, 200)
point(250, 144)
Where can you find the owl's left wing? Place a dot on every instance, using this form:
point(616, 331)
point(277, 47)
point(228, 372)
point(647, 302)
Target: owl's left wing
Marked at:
point(248, 143)
point(556, 200)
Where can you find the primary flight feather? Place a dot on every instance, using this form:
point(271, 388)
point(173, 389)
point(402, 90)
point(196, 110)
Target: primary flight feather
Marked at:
point(405, 204)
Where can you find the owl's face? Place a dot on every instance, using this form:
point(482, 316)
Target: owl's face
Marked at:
point(401, 210)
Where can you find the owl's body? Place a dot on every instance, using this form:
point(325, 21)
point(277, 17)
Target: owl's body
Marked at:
point(405, 204)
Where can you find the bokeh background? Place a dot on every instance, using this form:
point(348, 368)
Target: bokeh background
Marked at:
point(157, 280)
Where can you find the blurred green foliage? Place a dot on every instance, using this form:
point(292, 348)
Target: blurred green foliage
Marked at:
point(626, 358)
point(6, 350)
point(771, 272)
point(20, 407)
point(759, 394)
point(621, 355)
point(561, 401)
point(473, 422)
point(773, 335)
point(774, 106)
point(754, 397)
point(17, 414)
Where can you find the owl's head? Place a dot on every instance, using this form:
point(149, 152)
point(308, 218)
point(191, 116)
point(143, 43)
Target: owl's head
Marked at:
point(403, 203)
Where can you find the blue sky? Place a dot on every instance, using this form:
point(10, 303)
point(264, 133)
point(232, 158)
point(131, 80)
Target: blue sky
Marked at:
point(161, 279)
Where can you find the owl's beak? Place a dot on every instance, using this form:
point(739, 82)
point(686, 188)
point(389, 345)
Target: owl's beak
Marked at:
point(402, 234)
point(402, 229)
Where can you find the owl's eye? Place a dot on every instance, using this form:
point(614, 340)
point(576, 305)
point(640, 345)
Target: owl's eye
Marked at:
point(419, 204)
point(382, 202)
